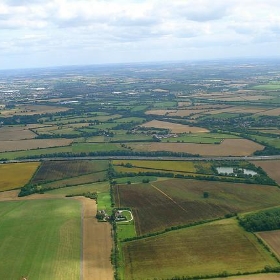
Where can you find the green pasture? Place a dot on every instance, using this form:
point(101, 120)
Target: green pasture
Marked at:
point(271, 86)
point(78, 180)
point(104, 202)
point(275, 142)
point(96, 139)
point(100, 187)
point(40, 239)
point(95, 147)
point(139, 108)
point(125, 230)
point(131, 137)
point(130, 120)
point(208, 249)
point(17, 154)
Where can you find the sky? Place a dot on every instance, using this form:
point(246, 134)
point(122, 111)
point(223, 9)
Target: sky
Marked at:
point(43, 33)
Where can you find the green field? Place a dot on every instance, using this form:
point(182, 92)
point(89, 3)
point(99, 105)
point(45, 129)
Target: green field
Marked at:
point(94, 187)
point(272, 86)
point(210, 249)
point(40, 239)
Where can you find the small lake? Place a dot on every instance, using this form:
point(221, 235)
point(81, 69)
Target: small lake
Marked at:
point(232, 170)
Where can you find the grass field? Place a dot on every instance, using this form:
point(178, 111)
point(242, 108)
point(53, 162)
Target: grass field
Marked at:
point(94, 187)
point(40, 239)
point(16, 175)
point(57, 170)
point(73, 181)
point(201, 250)
point(167, 203)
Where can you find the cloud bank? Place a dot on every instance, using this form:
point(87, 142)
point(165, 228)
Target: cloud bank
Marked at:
point(59, 32)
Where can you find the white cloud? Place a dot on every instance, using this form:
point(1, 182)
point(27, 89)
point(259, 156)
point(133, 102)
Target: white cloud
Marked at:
point(135, 30)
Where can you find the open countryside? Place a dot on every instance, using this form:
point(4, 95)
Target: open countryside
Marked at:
point(139, 171)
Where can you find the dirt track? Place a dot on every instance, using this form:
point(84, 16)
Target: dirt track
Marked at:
point(97, 240)
point(97, 245)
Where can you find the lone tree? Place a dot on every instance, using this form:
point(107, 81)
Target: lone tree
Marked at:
point(205, 194)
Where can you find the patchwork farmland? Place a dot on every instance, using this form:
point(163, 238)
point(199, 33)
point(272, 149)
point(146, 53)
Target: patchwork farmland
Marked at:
point(109, 133)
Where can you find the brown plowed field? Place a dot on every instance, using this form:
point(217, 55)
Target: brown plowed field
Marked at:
point(30, 144)
point(229, 147)
point(272, 239)
point(15, 133)
point(271, 167)
point(176, 202)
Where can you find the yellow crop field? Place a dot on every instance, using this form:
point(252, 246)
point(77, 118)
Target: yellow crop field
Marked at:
point(16, 175)
point(183, 166)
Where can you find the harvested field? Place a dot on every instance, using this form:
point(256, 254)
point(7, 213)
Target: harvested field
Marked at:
point(271, 167)
point(272, 239)
point(33, 110)
point(57, 170)
point(273, 112)
point(174, 113)
point(8, 133)
point(16, 175)
point(229, 147)
point(174, 127)
point(201, 250)
point(163, 204)
point(168, 165)
point(19, 145)
point(97, 244)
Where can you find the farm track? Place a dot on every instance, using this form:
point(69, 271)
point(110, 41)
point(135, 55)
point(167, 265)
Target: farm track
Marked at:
point(97, 239)
point(170, 198)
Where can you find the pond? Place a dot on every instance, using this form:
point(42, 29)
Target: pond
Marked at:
point(234, 170)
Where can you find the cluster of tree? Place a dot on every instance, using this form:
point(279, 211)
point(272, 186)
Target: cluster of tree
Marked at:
point(267, 151)
point(91, 195)
point(29, 189)
point(261, 221)
point(248, 180)
point(111, 153)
